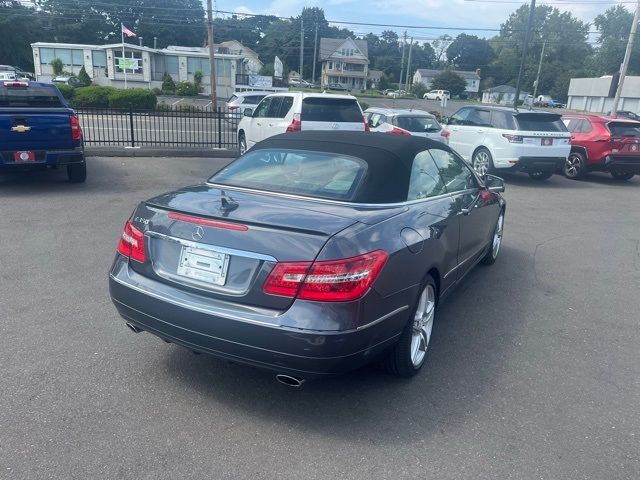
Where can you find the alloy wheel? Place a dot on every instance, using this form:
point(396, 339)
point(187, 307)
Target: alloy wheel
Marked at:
point(573, 166)
point(423, 325)
point(497, 236)
point(243, 145)
point(481, 162)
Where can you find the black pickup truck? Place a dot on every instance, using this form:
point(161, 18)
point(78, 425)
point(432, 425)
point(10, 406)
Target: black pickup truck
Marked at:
point(39, 130)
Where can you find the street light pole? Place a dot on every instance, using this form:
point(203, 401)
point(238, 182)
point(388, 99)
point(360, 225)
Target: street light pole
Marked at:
point(535, 84)
point(524, 52)
point(627, 56)
point(315, 50)
point(212, 64)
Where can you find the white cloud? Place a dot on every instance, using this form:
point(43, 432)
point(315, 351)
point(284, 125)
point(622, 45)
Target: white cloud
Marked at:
point(243, 10)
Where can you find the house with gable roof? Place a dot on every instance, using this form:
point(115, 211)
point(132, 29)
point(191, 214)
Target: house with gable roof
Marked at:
point(344, 61)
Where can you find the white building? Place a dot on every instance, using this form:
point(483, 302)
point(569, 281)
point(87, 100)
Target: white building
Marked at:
point(596, 94)
point(502, 95)
point(344, 61)
point(148, 65)
point(425, 76)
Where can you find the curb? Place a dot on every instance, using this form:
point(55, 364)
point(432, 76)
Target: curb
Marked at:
point(158, 152)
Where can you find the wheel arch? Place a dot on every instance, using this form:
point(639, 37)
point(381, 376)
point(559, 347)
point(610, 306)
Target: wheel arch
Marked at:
point(435, 274)
point(579, 149)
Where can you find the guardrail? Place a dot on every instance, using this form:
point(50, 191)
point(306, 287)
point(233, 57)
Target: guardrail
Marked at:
point(192, 127)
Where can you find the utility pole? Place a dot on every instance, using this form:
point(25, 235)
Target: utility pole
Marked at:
point(524, 52)
point(315, 50)
point(406, 79)
point(627, 55)
point(301, 48)
point(535, 84)
point(155, 43)
point(404, 43)
point(212, 63)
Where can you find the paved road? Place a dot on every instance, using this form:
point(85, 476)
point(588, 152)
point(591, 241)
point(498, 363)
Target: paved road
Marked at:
point(534, 369)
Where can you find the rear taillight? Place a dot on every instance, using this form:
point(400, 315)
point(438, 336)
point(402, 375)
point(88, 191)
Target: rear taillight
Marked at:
point(327, 281)
point(445, 133)
point(132, 243)
point(296, 123)
point(16, 84)
point(512, 138)
point(76, 131)
point(233, 107)
point(366, 124)
point(398, 131)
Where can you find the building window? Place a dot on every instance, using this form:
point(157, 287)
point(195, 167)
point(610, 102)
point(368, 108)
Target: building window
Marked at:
point(330, 65)
point(132, 61)
point(198, 64)
point(99, 59)
point(69, 57)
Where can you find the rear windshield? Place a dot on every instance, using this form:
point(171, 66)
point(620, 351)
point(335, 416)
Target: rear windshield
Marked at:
point(318, 109)
point(418, 124)
point(624, 129)
point(233, 98)
point(254, 99)
point(29, 97)
point(540, 122)
point(312, 174)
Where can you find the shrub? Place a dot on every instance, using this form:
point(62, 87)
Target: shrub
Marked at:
point(84, 77)
point(186, 89)
point(57, 66)
point(67, 91)
point(168, 85)
point(418, 89)
point(184, 107)
point(363, 105)
point(137, 98)
point(92, 96)
point(197, 80)
point(156, 90)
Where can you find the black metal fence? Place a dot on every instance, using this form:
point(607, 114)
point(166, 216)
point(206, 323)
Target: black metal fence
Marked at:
point(191, 127)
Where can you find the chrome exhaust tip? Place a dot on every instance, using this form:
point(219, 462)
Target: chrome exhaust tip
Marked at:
point(133, 328)
point(290, 381)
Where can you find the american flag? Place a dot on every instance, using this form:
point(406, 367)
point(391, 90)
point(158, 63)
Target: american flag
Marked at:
point(127, 32)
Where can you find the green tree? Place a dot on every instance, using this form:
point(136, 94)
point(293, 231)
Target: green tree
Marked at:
point(449, 80)
point(20, 26)
point(168, 84)
point(84, 77)
point(197, 80)
point(613, 27)
point(469, 52)
point(57, 66)
point(440, 46)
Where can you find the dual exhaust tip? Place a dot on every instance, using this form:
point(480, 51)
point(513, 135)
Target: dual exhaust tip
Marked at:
point(288, 380)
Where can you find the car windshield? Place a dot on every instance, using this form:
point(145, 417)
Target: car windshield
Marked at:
point(540, 122)
point(313, 174)
point(624, 129)
point(31, 96)
point(318, 109)
point(418, 124)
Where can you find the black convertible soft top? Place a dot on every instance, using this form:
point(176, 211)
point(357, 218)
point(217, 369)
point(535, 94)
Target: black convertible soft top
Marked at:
point(389, 157)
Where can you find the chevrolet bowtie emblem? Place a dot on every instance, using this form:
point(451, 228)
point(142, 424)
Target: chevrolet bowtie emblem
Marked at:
point(20, 128)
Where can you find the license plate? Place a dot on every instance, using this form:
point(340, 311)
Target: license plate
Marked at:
point(24, 156)
point(546, 142)
point(204, 265)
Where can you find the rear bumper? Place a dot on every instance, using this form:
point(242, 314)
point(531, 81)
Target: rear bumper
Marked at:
point(301, 352)
point(537, 164)
point(43, 159)
point(623, 164)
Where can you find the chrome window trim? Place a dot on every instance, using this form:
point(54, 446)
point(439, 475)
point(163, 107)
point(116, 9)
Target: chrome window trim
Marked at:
point(382, 318)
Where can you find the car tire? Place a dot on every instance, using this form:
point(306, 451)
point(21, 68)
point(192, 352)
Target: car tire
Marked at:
point(622, 176)
point(77, 173)
point(407, 357)
point(541, 175)
point(482, 162)
point(438, 99)
point(496, 241)
point(242, 144)
point(575, 166)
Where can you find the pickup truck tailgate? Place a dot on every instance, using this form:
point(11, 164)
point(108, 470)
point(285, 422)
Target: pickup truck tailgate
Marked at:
point(31, 129)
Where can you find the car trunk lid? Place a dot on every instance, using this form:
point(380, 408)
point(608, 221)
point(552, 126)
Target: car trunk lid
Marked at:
point(625, 138)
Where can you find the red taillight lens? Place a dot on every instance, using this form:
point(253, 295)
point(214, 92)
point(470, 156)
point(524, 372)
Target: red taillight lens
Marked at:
point(16, 84)
point(132, 243)
point(398, 131)
point(366, 123)
point(233, 107)
point(296, 124)
point(512, 138)
point(207, 222)
point(327, 281)
point(76, 131)
point(445, 133)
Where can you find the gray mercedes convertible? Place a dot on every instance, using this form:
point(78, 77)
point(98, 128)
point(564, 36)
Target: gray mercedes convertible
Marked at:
point(312, 254)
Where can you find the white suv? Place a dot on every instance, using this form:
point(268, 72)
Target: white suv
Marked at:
point(295, 111)
point(436, 95)
point(493, 138)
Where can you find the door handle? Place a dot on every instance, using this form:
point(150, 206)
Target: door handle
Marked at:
point(469, 208)
point(258, 124)
point(271, 124)
point(480, 131)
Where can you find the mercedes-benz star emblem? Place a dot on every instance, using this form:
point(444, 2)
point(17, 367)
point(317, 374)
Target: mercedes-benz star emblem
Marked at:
point(197, 233)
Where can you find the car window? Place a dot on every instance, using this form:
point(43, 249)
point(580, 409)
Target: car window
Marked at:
point(479, 118)
point(460, 116)
point(584, 126)
point(309, 173)
point(376, 119)
point(261, 109)
point(287, 103)
point(540, 122)
point(456, 175)
point(418, 123)
point(624, 129)
point(253, 99)
point(274, 107)
point(425, 180)
point(30, 96)
point(232, 98)
point(503, 120)
point(570, 123)
point(318, 109)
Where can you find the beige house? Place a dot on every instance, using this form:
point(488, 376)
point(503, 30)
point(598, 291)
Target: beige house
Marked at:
point(344, 61)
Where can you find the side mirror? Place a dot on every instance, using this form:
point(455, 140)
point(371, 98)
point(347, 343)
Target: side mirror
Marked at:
point(248, 112)
point(445, 120)
point(494, 184)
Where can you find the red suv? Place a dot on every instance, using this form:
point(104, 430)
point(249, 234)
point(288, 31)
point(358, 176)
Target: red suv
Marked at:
point(602, 144)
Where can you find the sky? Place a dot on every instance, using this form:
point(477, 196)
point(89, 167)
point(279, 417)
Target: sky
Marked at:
point(465, 15)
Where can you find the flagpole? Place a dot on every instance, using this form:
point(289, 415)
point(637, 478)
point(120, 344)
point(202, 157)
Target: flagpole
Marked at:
point(123, 63)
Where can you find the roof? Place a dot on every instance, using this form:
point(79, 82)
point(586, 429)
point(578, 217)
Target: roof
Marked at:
point(502, 89)
point(170, 50)
point(314, 95)
point(426, 72)
point(243, 48)
point(600, 118)
point(399, 111)
point(328, 46)
point(389, 157)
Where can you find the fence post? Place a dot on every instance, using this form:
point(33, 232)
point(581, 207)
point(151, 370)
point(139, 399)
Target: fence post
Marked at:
point(219, 127)
point(133, 139)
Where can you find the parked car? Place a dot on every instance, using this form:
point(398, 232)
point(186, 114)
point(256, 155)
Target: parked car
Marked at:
point(39, 130)
point(397, 93)
point(337, 86)
point(436, 95)
point(295, 111)
point(501, 138)
point(602, 144)
point(19, 74)
point(628, 114)
point(240, 101)
point(404, 122)
point(70, 80)
point(295, 82)
point(549, 103)
point(312, 254)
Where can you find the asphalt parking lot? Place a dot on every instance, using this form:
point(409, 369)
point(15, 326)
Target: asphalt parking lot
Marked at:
point(534, 370)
